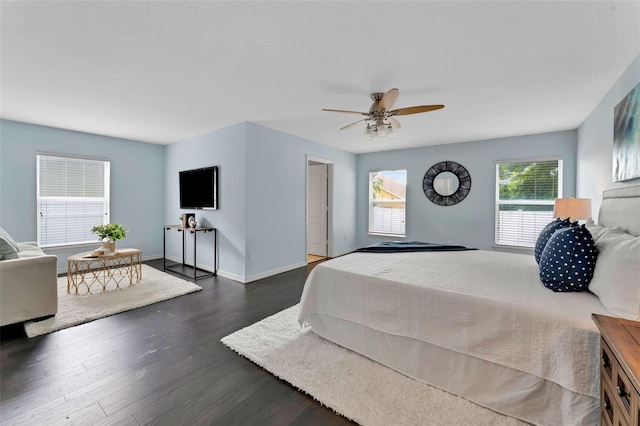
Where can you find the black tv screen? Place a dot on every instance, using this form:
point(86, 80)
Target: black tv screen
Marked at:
point(199, 188)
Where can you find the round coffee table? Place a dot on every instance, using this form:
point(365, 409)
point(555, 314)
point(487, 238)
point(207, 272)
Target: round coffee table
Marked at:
point(102, 274)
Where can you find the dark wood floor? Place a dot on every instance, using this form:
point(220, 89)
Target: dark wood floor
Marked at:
point(162, 364)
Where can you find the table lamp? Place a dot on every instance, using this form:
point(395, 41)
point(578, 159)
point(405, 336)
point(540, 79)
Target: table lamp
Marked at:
point(573, 208)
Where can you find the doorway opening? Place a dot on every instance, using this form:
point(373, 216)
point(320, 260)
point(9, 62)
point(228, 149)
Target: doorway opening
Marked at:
point(312, 258)
point(319, 178)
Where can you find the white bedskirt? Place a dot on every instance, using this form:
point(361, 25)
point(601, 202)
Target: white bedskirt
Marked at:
point(476, 323)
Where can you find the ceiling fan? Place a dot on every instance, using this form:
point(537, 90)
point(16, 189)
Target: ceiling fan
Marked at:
point(380, 118)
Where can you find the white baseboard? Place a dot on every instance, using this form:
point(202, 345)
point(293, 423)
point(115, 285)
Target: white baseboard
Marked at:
point(231, 276)
point(244, 279)
point(342, 253)
point(151, 257)
point(226, 274)
point(209, 268)
point(274, 272)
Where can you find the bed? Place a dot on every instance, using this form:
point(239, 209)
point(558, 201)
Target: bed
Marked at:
point(478, 324)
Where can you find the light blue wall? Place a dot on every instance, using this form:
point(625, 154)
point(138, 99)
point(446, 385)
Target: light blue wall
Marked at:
point(225, 148)
point(137, 183)
point(595, 141)
point(145, 196)
point(263, 190)
point(471, 222)
point(262, 196)
point(276, 199)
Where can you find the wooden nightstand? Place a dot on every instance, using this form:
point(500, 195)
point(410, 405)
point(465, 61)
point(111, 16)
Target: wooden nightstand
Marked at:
point(619, 371)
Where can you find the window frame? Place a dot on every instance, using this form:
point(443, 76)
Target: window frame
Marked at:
point(497, 201)
point(371, 202)
point(105, 200)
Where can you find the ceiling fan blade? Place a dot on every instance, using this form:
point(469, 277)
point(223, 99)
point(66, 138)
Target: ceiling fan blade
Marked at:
point(395, 124)
point(354, 124)
point(389, 99)
point(415, 109)
point(348, 112)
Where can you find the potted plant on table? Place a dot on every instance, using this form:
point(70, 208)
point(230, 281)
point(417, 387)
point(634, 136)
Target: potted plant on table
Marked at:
point(109, 234)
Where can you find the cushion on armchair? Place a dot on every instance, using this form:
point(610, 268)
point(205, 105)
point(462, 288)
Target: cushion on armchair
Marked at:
point(8, 247)
point(28, 288)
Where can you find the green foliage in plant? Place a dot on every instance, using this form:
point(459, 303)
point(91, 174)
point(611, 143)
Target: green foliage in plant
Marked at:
point(110, 232)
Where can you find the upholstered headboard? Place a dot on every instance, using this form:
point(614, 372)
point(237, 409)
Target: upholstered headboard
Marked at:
point(621, 207)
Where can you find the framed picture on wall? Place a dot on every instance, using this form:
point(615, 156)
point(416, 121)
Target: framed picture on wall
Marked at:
point(626, 137)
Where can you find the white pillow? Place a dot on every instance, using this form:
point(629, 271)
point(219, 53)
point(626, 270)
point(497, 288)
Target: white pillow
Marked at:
point(596, 230)
point(616, 279)
point(8, 247)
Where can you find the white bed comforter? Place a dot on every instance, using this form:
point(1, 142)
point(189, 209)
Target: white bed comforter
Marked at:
point(485, 304)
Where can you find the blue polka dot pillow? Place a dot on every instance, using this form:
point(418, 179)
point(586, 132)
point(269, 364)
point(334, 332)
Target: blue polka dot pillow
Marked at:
point(547, 232)
point(568, 260)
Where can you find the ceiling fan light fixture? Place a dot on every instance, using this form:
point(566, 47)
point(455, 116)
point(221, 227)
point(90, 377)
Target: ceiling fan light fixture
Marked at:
point(378, 131)
point(385, 128)
point(370, 132)
point(380, 119)
point(390, 132)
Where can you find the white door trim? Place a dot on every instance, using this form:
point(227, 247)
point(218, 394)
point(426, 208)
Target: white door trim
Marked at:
point(318, 174)
point(310, 160)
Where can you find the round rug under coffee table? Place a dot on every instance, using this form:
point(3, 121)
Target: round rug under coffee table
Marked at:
point(88, 274)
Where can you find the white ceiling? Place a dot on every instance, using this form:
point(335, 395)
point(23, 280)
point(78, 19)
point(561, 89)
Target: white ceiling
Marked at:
point(162, 72)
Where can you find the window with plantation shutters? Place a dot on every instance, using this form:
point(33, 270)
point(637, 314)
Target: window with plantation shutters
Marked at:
point(525, 194)
point(72, 197)
point(387, 192)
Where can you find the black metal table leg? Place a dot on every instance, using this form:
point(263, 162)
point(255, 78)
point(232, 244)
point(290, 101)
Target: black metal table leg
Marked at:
point(195, 257)
point(183, 232)
point(194, 231)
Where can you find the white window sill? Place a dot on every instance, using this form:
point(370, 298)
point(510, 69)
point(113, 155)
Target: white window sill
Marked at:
point(70, 246)
point(373, 234)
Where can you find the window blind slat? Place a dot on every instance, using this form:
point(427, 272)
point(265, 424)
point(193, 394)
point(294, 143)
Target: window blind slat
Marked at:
point(387, 203)
point(72, 197)
point(524, 204)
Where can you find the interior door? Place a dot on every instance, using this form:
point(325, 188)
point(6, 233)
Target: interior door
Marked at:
point(317, 209)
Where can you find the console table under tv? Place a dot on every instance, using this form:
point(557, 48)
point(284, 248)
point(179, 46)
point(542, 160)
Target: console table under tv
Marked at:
point(179, 267)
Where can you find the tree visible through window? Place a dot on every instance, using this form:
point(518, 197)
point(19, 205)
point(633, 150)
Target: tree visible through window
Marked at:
point(72, 197)
point(387, 192)
point(525, 195)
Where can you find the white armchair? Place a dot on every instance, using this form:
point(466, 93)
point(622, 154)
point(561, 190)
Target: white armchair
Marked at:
point(28, 285)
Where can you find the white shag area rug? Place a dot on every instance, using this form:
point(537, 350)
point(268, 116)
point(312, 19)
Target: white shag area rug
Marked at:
point(350, 384)
point(154, 287)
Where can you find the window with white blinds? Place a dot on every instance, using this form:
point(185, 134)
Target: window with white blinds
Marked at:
point(525, 194)
point(72, 197)
point(387, 192)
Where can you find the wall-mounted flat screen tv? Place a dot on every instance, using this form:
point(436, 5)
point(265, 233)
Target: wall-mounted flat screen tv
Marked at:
point(199, 188)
